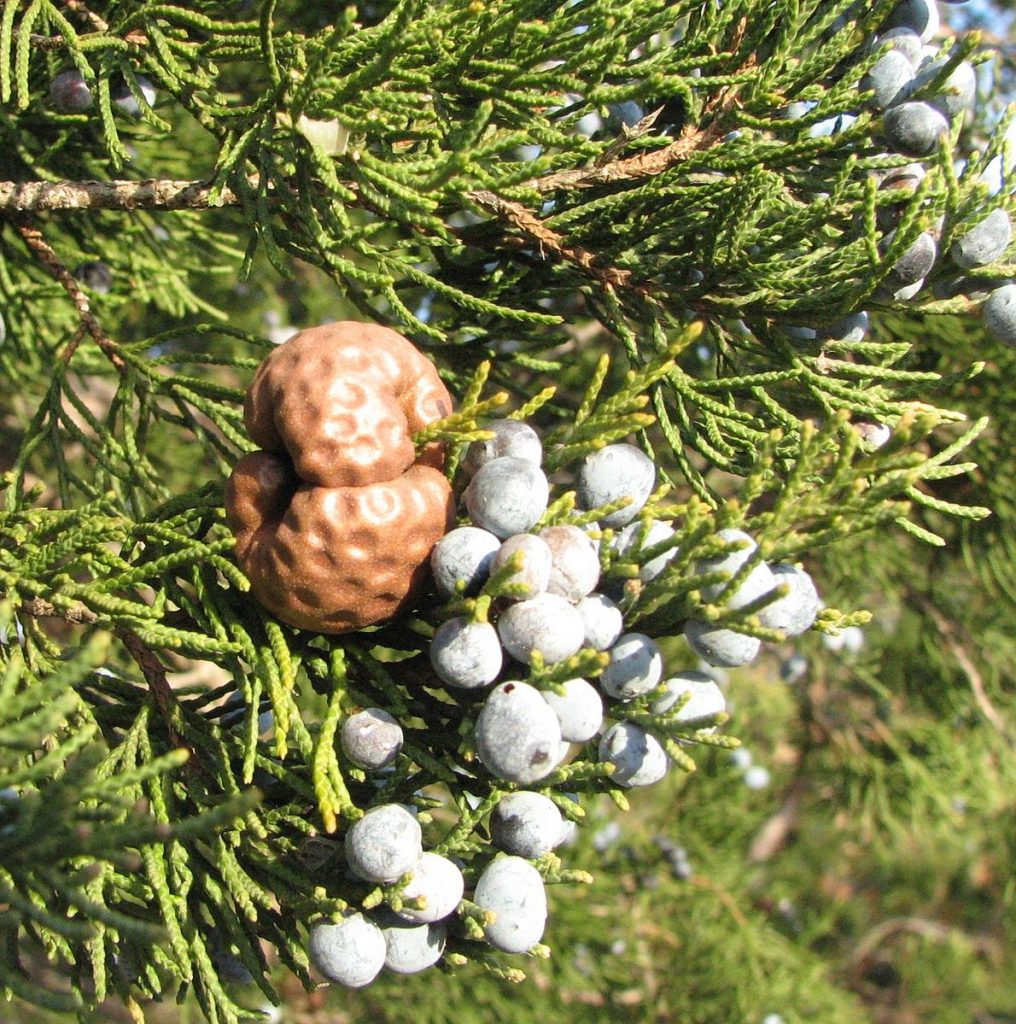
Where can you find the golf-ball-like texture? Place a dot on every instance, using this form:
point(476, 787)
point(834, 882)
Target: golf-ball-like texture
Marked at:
point(920, 16)
point(636, 538)
point(721, 646)
point(351, 952)
point(466, 654)
point(536, 560)
point(371, 738)
point(758, 581)
point(437, 883)
point(507, 496)
point(914, 128)
point(526, 824)
point(335, 518)
point(635, 667)
point(411, 948)
point(343, 401)
point(614, 472)
point(796, 612)
point(579, 710)
point(518, 737)
point(602, 622)
point(511, 437)
point(916, 261)
point(464, 553)
point(999, 314)
point(706, 698)
point(545, 623)
point(69, 93)
point(889, 78)
point(512, 889)
point(636, 755)
point(384, 844)
point(984, 243)
point(575, 562)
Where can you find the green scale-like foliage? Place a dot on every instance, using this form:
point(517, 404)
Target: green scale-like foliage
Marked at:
point(387, 158)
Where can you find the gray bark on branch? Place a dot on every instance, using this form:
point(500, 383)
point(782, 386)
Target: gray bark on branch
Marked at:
point(152, 194)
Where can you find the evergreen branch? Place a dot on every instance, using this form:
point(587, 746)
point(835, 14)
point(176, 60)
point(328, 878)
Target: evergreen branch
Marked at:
point(152, 194)
point(634, 168)
point(39, 608)
point(81, 9)
point(151, 667)
point(947, 631)
point(546, 238)
point(155, 674)
point(44, 252)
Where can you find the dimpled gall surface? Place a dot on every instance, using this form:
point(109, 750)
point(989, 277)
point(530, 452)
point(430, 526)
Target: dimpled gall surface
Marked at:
point(513, 889)
point(343, 400)
point(351, 952)
point(258, 492)
point(384, 844)
point(518, 737)
point(344, 557)
point(334, 520)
